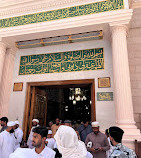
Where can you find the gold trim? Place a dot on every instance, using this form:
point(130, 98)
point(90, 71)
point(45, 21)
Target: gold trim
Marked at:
point(16, 44)
point(42, 42)
point(70, 40)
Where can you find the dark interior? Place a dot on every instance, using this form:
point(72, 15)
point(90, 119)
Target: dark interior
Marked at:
point(59, 105)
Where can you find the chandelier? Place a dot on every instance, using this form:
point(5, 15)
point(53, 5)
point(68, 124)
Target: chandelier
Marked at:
point(77, 94)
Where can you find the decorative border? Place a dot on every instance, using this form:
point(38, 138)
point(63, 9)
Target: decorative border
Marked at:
point(63, 13)
point(81, 60)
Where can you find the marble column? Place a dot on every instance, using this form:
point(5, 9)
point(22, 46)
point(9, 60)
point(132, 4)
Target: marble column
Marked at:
point(6, 81)
point(122, 85)
point(2, 56)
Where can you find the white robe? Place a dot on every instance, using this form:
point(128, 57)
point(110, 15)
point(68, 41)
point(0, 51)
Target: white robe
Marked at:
point(55, 145)
point(19, 136)
point(108, 153)
point(29, 141)
point(68, 144)
point(46, 153)
point(22, 153)
point(51, 142)
point(7, 144)
point(89, 155)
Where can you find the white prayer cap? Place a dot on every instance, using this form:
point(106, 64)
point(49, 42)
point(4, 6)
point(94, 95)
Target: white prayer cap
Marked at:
point(22, 153)
point(49, 131)
point(17, 122)
point(11, 123)
point(35, 120)
point(95, 124)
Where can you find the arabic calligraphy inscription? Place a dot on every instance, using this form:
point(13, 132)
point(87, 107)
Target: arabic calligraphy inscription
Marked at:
point(82, 60)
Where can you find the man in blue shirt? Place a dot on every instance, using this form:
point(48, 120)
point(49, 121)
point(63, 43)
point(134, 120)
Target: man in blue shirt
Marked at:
point(84, 130)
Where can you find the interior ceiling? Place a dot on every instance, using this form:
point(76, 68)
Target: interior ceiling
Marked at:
point(12, 39)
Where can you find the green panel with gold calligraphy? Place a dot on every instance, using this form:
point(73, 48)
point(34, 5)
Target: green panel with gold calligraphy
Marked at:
point(104, 96)
point(81, 60)
point(69, 12)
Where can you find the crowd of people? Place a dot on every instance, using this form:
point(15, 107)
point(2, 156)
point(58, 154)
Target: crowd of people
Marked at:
point(62, 141)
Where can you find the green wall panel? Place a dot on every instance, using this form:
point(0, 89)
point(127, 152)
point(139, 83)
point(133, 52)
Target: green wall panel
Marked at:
point(81, 60)
point(86, 9)
point(104, 96)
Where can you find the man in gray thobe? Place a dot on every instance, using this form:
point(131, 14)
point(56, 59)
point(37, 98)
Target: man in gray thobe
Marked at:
point(97, 142)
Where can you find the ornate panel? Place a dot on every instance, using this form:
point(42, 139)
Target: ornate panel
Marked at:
point(81, 60)
point(86, 9)
point(104, 96)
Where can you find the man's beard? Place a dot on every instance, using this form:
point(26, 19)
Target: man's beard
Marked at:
point(96, 132)
point(37, 145)
point(12, 130)
point(34, 125)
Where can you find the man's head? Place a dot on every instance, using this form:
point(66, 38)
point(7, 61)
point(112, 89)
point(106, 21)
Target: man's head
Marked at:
point(35, 122)
point(39, 136)
point(4, 121)
point(85, 123)
point(49, 134)
point(68, 123)
point(50, 123)
point(16, 124)
point(116, 134)
point(10, 126)
point(57, 121)
point(95, 127)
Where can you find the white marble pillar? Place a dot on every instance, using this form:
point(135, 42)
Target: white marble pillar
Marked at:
point(2, 56)
point(6, 81)
point(122, 86)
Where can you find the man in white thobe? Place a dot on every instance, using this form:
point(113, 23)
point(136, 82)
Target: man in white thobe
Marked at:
point(3, 123)
point(22, 153)
point(35, 123)
point(38, 141)
point(7, 141)
point(108, 153)
point(50, 141)
point(18, 135)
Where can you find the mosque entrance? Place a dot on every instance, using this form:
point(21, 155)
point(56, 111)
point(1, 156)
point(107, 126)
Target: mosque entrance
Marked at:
point(73, 100)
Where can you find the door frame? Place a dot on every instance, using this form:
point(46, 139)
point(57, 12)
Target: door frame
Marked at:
point(57, 83)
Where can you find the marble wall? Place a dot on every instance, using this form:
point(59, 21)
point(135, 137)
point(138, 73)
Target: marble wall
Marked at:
point(105, 111)
point(134, 51)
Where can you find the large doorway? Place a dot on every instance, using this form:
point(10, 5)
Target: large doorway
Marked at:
point(73, 100)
